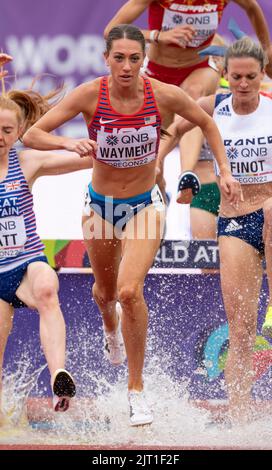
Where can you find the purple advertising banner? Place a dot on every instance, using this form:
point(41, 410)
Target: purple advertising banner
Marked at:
point(65, 38)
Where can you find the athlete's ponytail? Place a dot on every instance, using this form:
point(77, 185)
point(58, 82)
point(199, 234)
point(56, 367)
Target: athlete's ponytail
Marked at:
point(32, 104)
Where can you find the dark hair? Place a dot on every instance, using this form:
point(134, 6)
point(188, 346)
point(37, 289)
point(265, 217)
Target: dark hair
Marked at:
point(246, 47)
point(127, 31)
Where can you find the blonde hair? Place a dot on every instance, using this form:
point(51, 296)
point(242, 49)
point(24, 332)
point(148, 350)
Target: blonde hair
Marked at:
point(7, 103)
point(246, 47)
point(29, 105)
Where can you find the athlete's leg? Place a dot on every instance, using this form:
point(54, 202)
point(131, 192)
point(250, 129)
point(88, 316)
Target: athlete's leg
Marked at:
point(105, 255)
point(39, 290)
point(240, 289)
point(203, 224)
point(267, 237)
point(201, 82)
point(143, 235)
point(6, 317)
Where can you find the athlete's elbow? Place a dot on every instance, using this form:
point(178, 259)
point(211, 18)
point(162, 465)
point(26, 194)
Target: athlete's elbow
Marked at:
point(27, 138)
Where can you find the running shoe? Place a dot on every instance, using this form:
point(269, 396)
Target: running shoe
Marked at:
point(114, 347)
point(267, 326)
point(139, 411)
point(63, 389)
point(188, 187)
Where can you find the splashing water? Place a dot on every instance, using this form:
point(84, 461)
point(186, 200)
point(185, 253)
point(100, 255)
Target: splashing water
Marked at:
point(103, 419)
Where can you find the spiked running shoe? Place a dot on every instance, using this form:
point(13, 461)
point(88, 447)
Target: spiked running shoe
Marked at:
point(63, 389)
point(267, 326)
point(114, 347)
point(139, 411)
point(188, 187)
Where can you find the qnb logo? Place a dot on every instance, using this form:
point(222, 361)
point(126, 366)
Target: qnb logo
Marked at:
point(232, 153)
point(112, 140)
point(177, 19)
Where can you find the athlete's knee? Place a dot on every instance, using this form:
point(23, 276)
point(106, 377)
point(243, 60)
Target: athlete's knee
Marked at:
point(129, 294)
point(45, 294)
point(103, 295)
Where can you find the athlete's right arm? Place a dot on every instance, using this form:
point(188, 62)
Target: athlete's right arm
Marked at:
point(39, 136)
point(127, 14)
point(132, 9)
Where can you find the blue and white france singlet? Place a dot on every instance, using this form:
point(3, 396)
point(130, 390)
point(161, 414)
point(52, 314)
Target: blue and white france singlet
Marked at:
point(18, 237)
point(247, 139)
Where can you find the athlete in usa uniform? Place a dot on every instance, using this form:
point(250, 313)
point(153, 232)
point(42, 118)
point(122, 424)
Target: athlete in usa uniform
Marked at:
point(123, 113)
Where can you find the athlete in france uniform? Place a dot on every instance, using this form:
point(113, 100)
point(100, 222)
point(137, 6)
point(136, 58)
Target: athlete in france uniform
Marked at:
point(250, 157)
point(244, 230)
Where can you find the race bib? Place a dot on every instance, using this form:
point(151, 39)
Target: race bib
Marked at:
point(127, 147)
point(12, 236)
point(205, 24)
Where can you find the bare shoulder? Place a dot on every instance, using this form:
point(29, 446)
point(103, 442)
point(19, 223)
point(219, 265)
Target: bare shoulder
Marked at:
point(87, 88)
point(83, 98)
point(30, 157)
point(27, 155)
point(30, 161)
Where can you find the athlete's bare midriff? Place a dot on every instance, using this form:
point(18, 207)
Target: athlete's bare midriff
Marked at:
point(122, 183)
point(176, 57)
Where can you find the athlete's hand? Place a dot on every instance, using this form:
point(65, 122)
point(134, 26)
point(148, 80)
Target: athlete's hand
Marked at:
point(4, 58)
point(181, 36)
point(84, 147)
point(231, 189)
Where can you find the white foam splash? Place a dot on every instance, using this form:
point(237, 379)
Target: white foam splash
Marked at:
point(103, 420)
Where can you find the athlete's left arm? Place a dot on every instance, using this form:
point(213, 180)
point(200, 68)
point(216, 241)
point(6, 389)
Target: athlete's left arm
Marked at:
point(36, 163)
point(259, 23)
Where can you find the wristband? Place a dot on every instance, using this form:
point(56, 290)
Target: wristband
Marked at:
point(153, 35)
